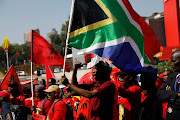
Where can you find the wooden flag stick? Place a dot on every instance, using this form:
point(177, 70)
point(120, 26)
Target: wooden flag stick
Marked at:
point(68, 33)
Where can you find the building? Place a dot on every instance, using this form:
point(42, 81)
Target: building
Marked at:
point(156, 22)
point(27, 36)
point(51, 33)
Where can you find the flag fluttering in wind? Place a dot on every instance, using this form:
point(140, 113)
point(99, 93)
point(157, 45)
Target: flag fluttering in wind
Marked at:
point(6, 45)
point(44, 54)
point(49, 74)
point(113, 30)
point(10, 77)
point(17, 53)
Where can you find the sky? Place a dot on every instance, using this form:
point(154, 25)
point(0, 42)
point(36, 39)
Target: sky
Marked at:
point(20, 16)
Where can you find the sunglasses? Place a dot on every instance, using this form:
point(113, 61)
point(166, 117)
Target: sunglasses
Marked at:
point(50, 93)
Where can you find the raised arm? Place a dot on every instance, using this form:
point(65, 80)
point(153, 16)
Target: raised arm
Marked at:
point(78, 90)
point(77, 65)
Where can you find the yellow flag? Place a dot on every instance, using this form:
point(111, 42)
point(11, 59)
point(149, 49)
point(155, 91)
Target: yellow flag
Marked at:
point(6, 44)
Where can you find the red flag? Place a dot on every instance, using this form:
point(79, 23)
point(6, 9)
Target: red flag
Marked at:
point(38, 116)
point(17, 53)
point(49, 74)
point(87, 78)
point(151, 43)
point(44, 54)
point(29, 82)
point(10, 77)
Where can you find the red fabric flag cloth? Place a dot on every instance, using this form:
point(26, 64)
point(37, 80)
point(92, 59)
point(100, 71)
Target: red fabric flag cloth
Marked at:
point(49, 74)
point(114, 78)
point(17, 53)
point(151, 43)
point(44, 54)
point(87, 78)
point(38, 116)
point(10, 77)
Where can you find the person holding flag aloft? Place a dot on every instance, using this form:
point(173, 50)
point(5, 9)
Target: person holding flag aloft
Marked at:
point(100, 93)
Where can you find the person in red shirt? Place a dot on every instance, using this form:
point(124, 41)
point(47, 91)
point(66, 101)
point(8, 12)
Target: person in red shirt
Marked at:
point(5, 106)
point(166, 74)
point(71, 100)
point(130, 93)
point(58, 108)
point(16, 98)
point(100, 93)
point(159, 81)
point(44, 104)
point(68, 98)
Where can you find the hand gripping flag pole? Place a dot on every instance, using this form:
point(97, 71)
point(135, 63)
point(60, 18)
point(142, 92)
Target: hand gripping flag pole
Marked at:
point(68, 33)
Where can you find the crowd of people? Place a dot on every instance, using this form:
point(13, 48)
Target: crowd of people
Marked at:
point(120, 97)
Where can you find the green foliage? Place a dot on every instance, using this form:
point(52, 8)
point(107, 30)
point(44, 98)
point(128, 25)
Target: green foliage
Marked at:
point(155, 13)
point(59, 41)
point(55, 39)
point(162, 66)
point(13, 57)
point(2, 58)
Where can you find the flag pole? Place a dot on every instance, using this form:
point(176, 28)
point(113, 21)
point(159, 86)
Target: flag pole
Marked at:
point(32, 68)
point(68, 33)
point(7, 59)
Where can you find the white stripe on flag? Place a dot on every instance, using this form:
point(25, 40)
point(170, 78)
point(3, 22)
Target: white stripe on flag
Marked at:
point(116, 42)
point(129, 16)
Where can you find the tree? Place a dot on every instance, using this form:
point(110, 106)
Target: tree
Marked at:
point(63, 35)
point(55, 39)
point(59, 41)
point(24, 51)
point(2, 58)
point(164, 65)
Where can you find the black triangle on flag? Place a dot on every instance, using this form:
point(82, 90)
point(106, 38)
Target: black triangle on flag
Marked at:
point(89, 15)
point(86, 12)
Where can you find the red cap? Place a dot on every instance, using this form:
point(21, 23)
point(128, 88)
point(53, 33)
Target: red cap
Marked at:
point(4, 94)
point(65, 89)
point(161, 75)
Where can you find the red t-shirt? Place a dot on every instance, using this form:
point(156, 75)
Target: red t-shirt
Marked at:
point(158, 83)
point(101, 106)
point(71, 101)
point(133, 96)
point(59, 111)
point(115, 79)
point(46, 106)
point(18, 100)
point(164, 106)
point(83, 107)
point(127, 107)
point(28, 102)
